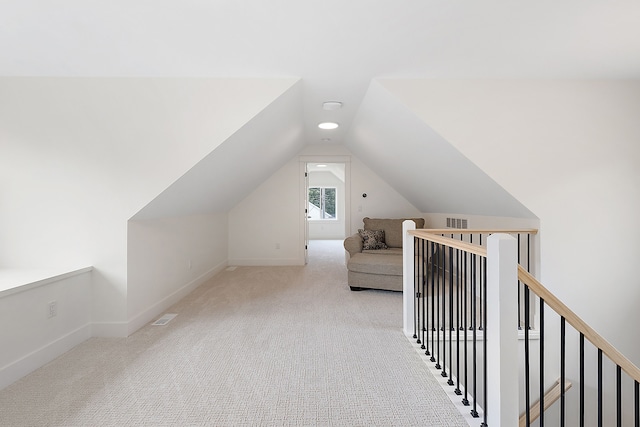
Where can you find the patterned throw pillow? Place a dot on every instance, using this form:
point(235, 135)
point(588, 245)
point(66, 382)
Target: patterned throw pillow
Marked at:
point(372, 239)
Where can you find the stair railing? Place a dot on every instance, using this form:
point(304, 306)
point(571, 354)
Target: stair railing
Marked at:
point(457, 307)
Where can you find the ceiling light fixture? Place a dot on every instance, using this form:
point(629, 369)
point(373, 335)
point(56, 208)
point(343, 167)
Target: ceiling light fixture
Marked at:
point(328, 125)
point(321, 166)
point(331, 105)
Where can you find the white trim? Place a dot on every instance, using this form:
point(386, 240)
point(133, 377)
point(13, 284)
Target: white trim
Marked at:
point(347, 188)
point(324, 159)
point(254, 262)
point(109, 329)
point(43, 355)
point(46, 278)
point(502, 343)
point(408, 278)
point(150, 314)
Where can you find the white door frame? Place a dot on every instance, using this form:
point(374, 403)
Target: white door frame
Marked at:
point(303, 196)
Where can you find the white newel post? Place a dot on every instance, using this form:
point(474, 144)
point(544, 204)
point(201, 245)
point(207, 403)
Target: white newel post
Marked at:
point(408, 293)
point(502, 330)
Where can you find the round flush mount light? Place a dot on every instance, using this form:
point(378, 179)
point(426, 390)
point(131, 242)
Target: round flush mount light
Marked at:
point(328, 125)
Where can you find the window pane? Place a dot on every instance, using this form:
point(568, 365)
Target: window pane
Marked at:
point(322, 203)
point(314, 196)
point(329, 203)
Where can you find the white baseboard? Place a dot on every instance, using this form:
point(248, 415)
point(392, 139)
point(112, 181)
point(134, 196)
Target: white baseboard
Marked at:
point(109, 329)
point(141, 319)
point(269, 262)
point(45, 354)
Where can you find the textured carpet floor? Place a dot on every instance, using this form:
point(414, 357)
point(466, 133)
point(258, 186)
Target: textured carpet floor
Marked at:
point(285, 346)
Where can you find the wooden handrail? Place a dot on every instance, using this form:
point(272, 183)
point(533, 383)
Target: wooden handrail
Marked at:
point(550, 398)
point(580, 325)
point(479, 230)
point(435, 235)
point(448, 241)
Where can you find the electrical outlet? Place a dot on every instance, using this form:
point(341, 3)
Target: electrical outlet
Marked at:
point(53, 309)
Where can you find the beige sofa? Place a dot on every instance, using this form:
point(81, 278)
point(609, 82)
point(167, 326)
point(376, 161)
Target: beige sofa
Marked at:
point(375, 264)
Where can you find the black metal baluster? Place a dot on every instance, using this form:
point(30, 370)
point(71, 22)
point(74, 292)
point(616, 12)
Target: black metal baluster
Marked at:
point(541, 423)
point(562, 368)
point(458, 319)
point(425, 262)
point(581, 379)
point(416, 292)
point(450, 382)
point(484, 341)
point(434, 261)
point(480, 326)
point(472, 303)
point(423, 295)
point(443, 300)
point(637, 396)
point(519, 286)
point(465, 399)
point(600, 414)
point(619, 394)
point(474, 411)
point(529, 256)
point(438, 366)
point(527, 379)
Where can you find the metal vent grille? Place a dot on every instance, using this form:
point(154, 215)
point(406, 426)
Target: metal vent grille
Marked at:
point(457, 223)
point(164, 319)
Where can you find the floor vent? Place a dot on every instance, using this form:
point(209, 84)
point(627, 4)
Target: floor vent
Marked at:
point(164, 319)
point(457, 223)
point(232, 268)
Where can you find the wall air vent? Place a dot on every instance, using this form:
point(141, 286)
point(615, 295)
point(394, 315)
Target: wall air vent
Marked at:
point(457, 223)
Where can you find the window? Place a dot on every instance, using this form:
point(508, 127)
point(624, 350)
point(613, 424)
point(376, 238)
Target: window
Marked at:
point(322, 203)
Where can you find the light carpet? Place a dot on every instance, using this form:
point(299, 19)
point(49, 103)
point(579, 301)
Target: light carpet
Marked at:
point(281, 346)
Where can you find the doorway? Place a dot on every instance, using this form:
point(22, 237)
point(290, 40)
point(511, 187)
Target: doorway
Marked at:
point(326, 202)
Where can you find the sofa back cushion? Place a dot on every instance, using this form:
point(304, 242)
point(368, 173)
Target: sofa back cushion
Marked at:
point(392, 228)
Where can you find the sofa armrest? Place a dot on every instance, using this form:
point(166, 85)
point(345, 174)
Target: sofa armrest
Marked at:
point(353, 244)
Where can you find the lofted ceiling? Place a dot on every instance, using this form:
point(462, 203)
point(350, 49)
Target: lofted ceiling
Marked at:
point(385, 132)
point(336, 48)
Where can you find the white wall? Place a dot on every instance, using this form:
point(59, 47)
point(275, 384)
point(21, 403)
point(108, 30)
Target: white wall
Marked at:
point(382, 200)
point(80, 156)
point(168, 258)
point(328, 229)
point(274, 214)
point(30, 338)
point(264, 228)
point(568, 150)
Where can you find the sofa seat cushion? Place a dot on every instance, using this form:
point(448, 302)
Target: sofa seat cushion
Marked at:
point(388, 251)
point(376, 264)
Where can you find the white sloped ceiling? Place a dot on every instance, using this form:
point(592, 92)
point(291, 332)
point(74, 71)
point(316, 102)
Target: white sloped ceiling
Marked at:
point(421, 165)
point(238, 165)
